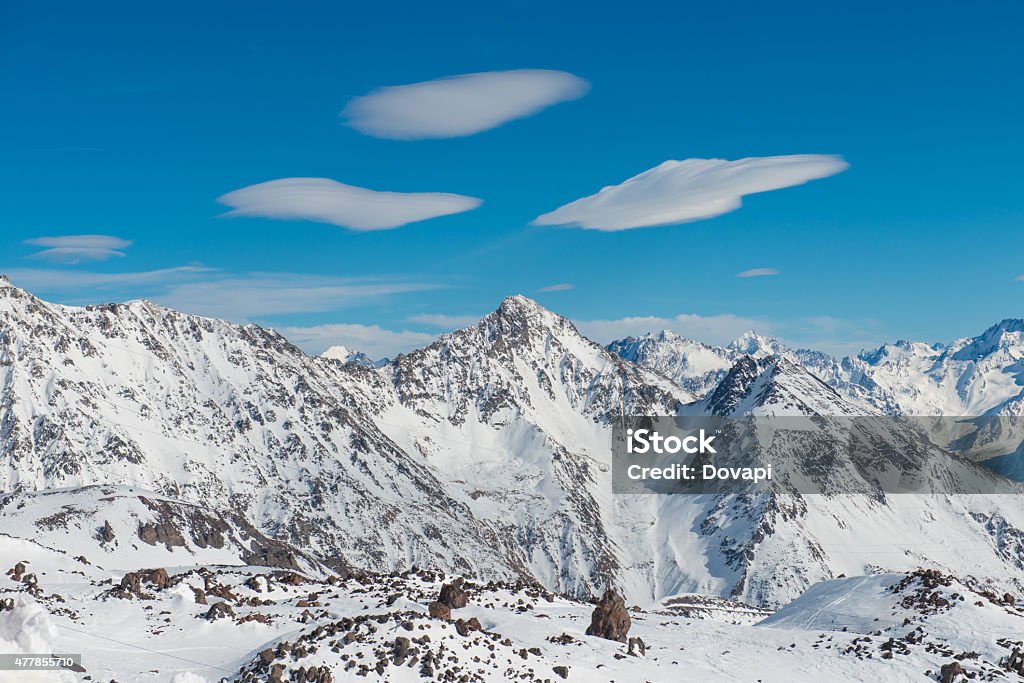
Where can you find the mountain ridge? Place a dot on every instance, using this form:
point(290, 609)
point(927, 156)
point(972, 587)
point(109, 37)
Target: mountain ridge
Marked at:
point(981, 375)
point(486, 453)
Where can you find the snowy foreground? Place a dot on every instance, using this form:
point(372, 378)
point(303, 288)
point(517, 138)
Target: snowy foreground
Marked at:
point(239, 623)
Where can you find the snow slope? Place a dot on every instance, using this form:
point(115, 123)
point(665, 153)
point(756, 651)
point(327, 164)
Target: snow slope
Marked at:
point(244, 623)
point(123, 528)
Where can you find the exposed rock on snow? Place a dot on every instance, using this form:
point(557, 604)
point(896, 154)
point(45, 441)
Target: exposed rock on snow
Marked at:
point(610, 619)
point(276, 625)
point(454, 594)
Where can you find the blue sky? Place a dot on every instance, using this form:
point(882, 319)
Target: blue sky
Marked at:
point(129, 122)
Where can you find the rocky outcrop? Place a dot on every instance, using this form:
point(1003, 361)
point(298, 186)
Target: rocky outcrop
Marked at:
point(207, 530)
point(219, 610)
point(950, 672)
point(439, 610)
point(464, 627)
point(610, 619)
point(17, 571)
point(132, 582)
point(167, 534)
point(454, 594)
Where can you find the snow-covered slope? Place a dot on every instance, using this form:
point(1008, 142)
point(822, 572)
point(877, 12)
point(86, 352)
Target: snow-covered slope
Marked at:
point(777, 542)
point(242, 624)
point(515, 412)
point(122, 528)
point(903, 616)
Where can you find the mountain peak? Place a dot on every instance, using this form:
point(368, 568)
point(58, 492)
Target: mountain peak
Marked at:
point(694, 365)
point(12, 292)
point(734, 387)
point(519, 303)
point(751, 343)
point(347, 355)
point(1008, 325)
point(517, 323)
point(769, 385)
point(667, 335)
point(342, 353)
point(519, 311)
point(1006, 332)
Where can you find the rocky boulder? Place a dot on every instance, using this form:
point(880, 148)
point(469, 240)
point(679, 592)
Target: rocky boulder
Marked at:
point(439, 610)
point(219, 610)
point(454, 594)
point(950, 672)
point(610, 619)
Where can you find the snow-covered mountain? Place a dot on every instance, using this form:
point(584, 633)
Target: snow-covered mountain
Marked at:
point(347, 355)
point(695, 366)
point(701, 367)
point(483, 453)
point(774, 385)
point(756, 345)
point(233, 417)
point(486, 453)
point(981, 375)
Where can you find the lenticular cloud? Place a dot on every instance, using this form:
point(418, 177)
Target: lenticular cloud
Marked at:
point(327, 201)
point(758, 272)
point(691, 190)
point(73, 249)
point(460, 105)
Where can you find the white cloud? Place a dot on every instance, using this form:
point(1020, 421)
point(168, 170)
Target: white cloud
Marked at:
point(460, 105)
point(209, 292)
point(443, 321)
point(758, 272)
point(836, 336)
point(562, 287)
point(261, 295)
point(373, 340)
point(80, 241)
point(1020, 278)
point(713, 329)
point(327, 201)
point(79, 283)
point(73, 249)
point(691, 190)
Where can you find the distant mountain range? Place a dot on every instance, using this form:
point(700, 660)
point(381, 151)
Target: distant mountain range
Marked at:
point(486, 453)
point(981, 375)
